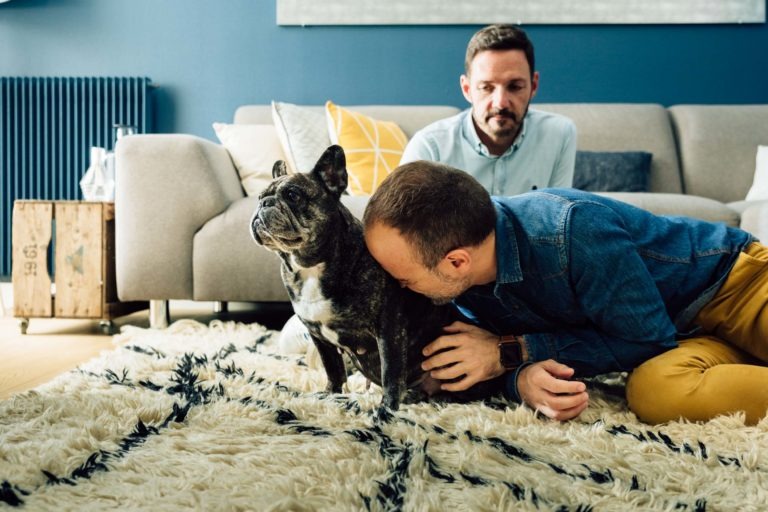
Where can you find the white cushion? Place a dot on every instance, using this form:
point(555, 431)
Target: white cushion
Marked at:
point(254, 149)
point(303, 134)
point(759, 188)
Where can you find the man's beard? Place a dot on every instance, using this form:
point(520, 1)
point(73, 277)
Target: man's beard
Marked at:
point(456, 288)
point(511, 128)
point(441, 301)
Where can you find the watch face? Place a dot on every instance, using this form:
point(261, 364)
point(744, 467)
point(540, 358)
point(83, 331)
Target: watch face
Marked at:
point(511, 355)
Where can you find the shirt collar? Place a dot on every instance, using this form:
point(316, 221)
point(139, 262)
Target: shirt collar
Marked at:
point(470, 135)
point(507, 257)
point(507, 252)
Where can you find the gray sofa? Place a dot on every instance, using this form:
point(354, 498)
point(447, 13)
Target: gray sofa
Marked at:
point(182, 216)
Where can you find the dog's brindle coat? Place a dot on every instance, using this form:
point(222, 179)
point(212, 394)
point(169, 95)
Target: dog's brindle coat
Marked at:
point(343, 297)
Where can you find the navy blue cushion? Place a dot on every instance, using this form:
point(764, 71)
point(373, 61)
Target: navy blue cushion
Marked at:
point(599, 171)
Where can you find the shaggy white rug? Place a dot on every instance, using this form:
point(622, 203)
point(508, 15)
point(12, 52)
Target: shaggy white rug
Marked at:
point(212, 418)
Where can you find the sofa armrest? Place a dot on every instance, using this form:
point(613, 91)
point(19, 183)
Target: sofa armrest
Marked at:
point(167, 187)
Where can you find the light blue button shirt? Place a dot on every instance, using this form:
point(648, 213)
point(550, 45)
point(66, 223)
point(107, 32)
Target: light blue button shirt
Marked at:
point(542, 155)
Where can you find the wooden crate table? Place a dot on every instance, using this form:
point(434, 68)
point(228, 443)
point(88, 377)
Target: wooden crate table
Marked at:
point(83, 237)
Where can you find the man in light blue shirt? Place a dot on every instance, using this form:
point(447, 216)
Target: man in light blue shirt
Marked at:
point(507, 147)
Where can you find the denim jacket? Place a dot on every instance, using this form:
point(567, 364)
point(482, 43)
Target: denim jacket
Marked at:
point(595, 283)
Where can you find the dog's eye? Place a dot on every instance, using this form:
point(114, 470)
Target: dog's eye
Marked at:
point(292, 196)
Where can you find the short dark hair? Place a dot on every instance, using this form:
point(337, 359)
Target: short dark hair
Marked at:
point(499, 37)
point(435, 207)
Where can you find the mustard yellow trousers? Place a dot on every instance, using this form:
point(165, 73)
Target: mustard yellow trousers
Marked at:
point(723, 371)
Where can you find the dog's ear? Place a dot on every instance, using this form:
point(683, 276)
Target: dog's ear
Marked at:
point(331, 169)
point(279, 169)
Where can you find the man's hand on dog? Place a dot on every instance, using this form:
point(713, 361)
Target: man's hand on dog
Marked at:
point(468, 354)
point(465, 350)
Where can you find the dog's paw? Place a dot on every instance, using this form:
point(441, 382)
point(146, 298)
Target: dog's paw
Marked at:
point(415, 395)
point(331, 388)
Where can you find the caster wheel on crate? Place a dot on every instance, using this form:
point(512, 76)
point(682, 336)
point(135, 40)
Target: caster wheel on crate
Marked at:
point(106, 327)
point(23, 324)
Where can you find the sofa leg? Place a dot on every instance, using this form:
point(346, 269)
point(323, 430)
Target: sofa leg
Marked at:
point(159, 314)
point(220, 307)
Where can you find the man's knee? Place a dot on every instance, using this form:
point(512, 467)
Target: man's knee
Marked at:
point(678, 383)
point(653, 395)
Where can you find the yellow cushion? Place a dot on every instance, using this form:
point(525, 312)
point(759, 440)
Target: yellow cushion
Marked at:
point(373, 148)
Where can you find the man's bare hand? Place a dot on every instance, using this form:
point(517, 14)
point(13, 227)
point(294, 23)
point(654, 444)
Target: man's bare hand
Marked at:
point(464, 350)
point(544, 386)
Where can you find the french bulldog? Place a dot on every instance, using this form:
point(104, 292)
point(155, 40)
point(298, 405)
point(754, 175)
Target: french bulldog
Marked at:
point(345, 299)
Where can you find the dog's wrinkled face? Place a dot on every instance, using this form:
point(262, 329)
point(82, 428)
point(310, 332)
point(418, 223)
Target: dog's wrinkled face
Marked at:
point(294, 208)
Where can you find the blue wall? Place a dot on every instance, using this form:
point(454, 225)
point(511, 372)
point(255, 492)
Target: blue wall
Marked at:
point(209, 56)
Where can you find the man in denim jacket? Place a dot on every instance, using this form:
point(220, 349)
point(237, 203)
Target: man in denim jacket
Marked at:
point(560, 284)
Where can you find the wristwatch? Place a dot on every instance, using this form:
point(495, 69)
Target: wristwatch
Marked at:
point(512, 351)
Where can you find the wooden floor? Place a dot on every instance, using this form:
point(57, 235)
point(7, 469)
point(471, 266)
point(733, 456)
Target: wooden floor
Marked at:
point(54, 346)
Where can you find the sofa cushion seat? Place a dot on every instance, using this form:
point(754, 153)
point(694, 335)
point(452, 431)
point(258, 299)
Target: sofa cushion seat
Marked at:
point(678, 204)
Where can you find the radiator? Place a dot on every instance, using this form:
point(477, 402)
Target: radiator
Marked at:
point(47, 126)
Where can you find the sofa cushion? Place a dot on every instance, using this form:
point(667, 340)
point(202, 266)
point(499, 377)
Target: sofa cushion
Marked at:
point(303, 134)
point(627, 127)
point(717, 147)
point(677, 204)
point(373, 148)
point(254, 149)
point(612, 171)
